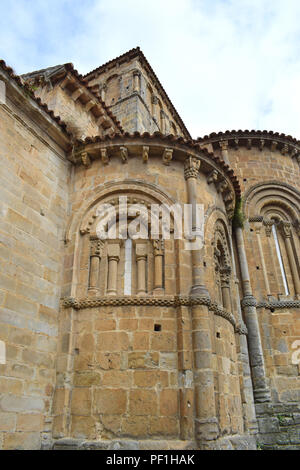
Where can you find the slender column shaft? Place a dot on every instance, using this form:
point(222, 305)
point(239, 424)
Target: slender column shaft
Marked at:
point(293, 265)
point(94, 272)
point(262, 258)
point(113, 253)
point(261, 390)
point(141, 274)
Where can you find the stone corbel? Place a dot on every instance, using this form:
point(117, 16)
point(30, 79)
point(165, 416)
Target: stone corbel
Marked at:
point(274, 145)
point(285, 149)
point(261, 144)
point(77, 94)
point(124, 154)
point(104, 156)
point(222, 186)
point(145, 154)
point(212, 177)
point(85, 159)
point(249, 144)
point(167, 156)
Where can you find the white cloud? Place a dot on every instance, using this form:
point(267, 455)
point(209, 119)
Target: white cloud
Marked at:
point(224, 63)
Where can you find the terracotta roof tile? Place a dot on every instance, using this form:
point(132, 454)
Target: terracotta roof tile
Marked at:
point(18, 80)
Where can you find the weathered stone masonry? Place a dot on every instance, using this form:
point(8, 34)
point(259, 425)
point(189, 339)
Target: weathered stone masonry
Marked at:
point(142, 344)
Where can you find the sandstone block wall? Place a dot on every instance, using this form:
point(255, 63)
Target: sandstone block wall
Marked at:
point(34, 205)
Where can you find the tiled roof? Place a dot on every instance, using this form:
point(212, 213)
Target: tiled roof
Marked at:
point(18, 80)
point(69, 67)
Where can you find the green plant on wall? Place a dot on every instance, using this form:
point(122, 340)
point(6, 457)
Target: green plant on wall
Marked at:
point(239, 217)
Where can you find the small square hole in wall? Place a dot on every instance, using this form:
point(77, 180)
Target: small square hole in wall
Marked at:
point(218, 335)
point(257, 267)
point(157, 327)
point(245, 180)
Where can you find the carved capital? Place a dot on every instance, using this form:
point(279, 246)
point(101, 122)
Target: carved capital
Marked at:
point(286, 229)
point(158, 247)
point(96, 247)
point(268, 224)
point(222, 186)
point(191, 167)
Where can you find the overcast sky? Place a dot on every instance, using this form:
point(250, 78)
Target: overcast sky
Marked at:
point(225, 64)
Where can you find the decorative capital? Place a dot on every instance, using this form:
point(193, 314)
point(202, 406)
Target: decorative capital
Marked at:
point(286, 229)
point(225, 275)
point(96, 247)
point(191, 167)
point(268, 224)
point(158, 247)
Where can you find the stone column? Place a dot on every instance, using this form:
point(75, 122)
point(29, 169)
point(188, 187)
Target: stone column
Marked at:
point(206, 423)
point(286, 230)
point(258, 226)
point(191, 169)
point(136, 81)
point(158, 267)
point(96, 252)
point(225, 287)
point(141, 259)
point(249, 413)
point(259, 378)
point(113, 253)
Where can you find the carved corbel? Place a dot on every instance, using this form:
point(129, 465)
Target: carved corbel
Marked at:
point(285, 149)
point(261, 144)
point(212, 177)
point(85, 159)
point(146, 154)
point(167, 156)
point(274, 145)
point(222, 186)
point(76, 94)
point(124, 154)
point(236, 144)
point(104, 156)
point(249, 144)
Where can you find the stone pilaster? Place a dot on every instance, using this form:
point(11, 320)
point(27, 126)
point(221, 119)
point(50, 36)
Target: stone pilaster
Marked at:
point(113, 253)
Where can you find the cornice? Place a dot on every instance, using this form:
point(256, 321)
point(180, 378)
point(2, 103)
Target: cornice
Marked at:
point(273, 141)
point(92, 145)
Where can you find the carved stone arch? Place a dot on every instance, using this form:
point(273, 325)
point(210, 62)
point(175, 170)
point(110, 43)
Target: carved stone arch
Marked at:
point(83, 221)
point(263, 196)
point(113, 189)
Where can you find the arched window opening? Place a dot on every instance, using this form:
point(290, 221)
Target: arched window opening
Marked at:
point(280, 260)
